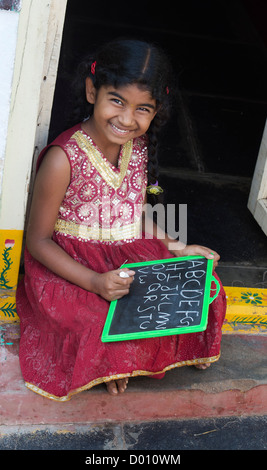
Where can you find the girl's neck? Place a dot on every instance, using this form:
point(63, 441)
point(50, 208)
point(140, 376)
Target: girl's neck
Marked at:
point(110, 150)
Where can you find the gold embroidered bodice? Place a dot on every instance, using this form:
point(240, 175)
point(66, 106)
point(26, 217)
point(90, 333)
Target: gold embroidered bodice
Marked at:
point(103, 202)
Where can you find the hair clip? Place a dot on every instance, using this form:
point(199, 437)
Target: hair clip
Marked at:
point(154, 189)
point(93, 68)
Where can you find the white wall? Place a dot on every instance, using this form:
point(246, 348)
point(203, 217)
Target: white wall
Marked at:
point(8, 39)
point(38, 40)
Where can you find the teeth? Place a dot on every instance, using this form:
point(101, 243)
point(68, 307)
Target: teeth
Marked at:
point(121, 131)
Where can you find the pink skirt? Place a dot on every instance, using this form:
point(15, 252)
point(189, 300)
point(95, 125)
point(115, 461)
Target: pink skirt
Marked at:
point(61, 352)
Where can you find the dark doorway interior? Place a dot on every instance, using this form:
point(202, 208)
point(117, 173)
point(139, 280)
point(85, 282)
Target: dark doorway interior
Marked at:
point(210, 147)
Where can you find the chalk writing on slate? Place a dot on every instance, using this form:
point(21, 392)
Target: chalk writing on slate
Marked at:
point(166, 297)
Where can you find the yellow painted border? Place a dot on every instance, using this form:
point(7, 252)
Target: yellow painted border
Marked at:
point(246, 311)
point(10, 255)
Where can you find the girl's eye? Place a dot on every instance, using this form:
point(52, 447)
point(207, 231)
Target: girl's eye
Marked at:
point(117, 101)
point(144, 110)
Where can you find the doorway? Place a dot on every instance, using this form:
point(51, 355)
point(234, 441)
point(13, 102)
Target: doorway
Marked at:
point(209, 149)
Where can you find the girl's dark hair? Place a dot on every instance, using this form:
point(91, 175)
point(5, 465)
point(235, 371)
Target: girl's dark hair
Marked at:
point(123, 62)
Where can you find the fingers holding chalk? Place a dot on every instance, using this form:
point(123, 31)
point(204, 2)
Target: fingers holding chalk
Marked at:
point(124, 274)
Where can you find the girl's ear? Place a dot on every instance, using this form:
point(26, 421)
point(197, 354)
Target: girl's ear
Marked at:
point(90, 91)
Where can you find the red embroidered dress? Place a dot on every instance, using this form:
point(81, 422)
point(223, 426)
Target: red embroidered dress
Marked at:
point(99, 225)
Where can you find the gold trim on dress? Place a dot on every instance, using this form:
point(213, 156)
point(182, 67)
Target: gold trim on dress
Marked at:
point(111, 175)
point(84, 232)
point(135, 373)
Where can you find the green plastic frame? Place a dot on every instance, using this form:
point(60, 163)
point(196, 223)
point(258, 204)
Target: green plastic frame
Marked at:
point(207, 299)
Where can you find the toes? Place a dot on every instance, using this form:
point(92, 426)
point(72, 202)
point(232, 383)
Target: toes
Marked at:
point(112, 388)
point(118, 386)
point(202, 366)
point(122, 385)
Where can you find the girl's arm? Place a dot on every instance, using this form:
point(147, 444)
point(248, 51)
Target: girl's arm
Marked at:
point(178, 248)
point(50, 187)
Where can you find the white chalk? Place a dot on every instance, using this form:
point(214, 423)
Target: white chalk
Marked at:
point(124, 274)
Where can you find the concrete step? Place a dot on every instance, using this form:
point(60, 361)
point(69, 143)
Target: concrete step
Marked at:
point(234, 386)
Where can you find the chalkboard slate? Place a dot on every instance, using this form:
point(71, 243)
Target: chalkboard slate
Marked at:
point(167, 297)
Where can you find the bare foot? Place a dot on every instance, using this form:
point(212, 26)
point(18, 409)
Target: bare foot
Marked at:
point(203, 366)
point(117, 386)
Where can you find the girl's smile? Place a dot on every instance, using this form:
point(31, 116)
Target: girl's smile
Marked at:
point(119, 131)
point(120, 114)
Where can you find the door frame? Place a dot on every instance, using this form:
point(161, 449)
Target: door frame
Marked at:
point(257, 202)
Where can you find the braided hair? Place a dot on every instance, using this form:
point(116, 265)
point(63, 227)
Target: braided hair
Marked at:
point(123, 62)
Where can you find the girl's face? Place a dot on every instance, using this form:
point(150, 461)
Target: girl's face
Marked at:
point(120, 114)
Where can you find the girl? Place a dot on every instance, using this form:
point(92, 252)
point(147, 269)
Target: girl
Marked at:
point(85, 223)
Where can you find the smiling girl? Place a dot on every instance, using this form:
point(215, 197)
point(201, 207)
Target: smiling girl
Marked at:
point(86, 221)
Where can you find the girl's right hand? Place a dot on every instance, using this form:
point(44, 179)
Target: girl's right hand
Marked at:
point(111, 286)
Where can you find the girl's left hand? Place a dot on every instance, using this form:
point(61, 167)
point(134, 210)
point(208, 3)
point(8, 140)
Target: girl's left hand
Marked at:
point(191, 250)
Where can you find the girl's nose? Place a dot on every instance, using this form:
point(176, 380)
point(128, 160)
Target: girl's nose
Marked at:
point(126, 118)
